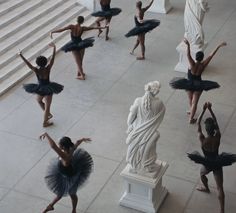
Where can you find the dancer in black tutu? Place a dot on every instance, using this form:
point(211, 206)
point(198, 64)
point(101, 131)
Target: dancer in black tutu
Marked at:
point(105, 14)
point(69, 171)
point(212, 161)
point(77, 45)
point(44, 89)
point(194, 85)
point(141, 28)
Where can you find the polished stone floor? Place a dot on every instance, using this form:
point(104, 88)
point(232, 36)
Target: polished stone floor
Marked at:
point(98, 108)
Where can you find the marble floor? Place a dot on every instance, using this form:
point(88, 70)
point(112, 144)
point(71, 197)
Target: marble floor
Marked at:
point(98, 108)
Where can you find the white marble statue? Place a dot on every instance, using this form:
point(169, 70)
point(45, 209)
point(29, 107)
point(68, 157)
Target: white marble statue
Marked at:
point(146, 114)
point(193, 19)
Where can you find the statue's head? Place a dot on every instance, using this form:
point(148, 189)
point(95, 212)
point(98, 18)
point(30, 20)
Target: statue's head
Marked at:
point(153, 87)
point(199, 56)
point(139, 4)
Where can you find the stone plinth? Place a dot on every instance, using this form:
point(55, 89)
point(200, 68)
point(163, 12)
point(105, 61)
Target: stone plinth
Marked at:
point(144, 193)
point(183, 63)
point(160, 6)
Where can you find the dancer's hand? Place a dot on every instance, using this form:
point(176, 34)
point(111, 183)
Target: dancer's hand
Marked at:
point(205, 105)
point(186, 41)
point(41, 137)
point(87, 140)
point(52, 45)
point(223, 44)
point(209, 105)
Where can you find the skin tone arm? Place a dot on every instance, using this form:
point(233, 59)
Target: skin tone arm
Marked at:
point(54, 146)
point(147, 7)
point(27, 62)
point(78, 142)
point(208, 59)
point(214, 118)
point(69, 27)
point(199, 130)
point(93, 28)
point(190, 59)
point(53, 55)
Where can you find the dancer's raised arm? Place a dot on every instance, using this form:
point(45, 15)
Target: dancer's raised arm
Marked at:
point(190, 59)
point(33, 68)
point(208, 59)
point(200, 134)
point(147, 7)
point(69, 27)
point(53, 55)
point(209, 105)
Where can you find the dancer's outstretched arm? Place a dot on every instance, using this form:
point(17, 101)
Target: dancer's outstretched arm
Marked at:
point(147, 7)
point(27, 62)
point(200, 134)
point(53, 55)
point(190, 59)
point(54, 146)
point(93, 28)
point(78, 142)
point(208, 59)
point(69, 27)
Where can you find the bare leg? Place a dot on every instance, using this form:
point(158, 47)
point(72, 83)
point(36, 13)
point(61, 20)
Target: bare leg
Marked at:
point(108, 20)
point(218, 175)
point(142, 44)
point(205, 187)
point(48, 101)
point(99, 25)
point(78, 60)
point(195, 99)
point(82, 58)
point(74, 200)
point(190, 99)
point(50, 207)
point(40, 102)
point(135, 46)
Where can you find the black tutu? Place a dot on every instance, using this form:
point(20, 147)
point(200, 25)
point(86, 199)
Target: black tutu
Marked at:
point(193, 85)
point(224, 159)
point(67, 180)
point(143, 27)
point(107, 13)
point(44, 89)
point(77, 44)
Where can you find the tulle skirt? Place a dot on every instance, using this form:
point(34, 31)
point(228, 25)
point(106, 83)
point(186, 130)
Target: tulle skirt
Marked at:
point(75, 45)
point(224, 159)
point(107, 13)
point(144, 27)
point(62, 184)
point(43, 89)
point(193, 85)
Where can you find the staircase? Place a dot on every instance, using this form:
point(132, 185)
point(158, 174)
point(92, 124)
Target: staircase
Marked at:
point(25, 25)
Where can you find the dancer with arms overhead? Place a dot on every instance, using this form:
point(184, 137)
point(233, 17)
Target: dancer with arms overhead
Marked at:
point(194, 85)
point(44, 89)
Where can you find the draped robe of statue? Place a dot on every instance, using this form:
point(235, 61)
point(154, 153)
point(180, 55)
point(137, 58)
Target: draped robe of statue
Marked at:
point(143, 135)
point(193, 19)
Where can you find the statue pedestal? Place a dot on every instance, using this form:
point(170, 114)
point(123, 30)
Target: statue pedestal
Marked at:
point(160, 6)
point(183, 63)
point(144, 193)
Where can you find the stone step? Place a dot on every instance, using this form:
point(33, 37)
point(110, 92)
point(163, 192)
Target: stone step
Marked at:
point(8, 5)
point(35, 48)
point(31, 34)
point(34, 16)
point(24, 71)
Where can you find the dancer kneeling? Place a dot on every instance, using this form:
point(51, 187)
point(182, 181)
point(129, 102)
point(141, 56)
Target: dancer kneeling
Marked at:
point(141, 28)
point(77, 45)
point(68, 172)
point(212, 161)
point(105, 14)
point(194, 85)
point(44, 89)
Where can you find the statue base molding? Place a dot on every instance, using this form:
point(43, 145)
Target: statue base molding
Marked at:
point(183, 63)
point(144, 193)
point(160, 6)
